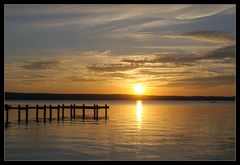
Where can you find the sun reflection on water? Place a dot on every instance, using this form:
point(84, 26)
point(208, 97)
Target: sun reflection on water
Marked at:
point(139, 111)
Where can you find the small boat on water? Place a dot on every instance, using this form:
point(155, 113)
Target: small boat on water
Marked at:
point(213, 101)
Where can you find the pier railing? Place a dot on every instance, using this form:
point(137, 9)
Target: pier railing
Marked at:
point(59, 108)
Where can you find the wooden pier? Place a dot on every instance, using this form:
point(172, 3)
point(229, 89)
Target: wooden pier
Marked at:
point(71, 107)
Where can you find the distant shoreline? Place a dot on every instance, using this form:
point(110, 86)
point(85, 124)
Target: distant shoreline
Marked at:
point(49, 96)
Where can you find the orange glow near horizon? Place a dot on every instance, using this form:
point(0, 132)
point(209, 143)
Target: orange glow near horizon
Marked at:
point(117, 89)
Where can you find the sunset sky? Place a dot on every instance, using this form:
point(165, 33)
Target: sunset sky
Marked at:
point(108, 49)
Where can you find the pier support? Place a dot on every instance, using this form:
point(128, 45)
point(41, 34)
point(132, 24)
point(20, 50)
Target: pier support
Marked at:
point(58, 112)
point(37, 114)
point(50, 112)
point(105, 111)
point(63, 112)
point(96, 111)
point(19, 114)
point(26, 114)
point(71, 111)
point(7, 111)
point(83, 115)
point(44, 115)
point(74, 111)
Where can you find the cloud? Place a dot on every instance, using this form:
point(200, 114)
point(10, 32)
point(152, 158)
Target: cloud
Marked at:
point(209, 36)
point(170, 64)
point(103, 53)
point(175, 69)
point(139, 59)
point(112, 67)
point(118, 75)
point(134, 35)
point(222, 53)
point(81, 79)
point(213, 81)
point(113, 10)
point(200, 11)
point(97, 53)
point(40, 65)
point(85, 16)
point(146, 24)
point(171, 58)
point(25, 76)
point(158, 72)
point(215, 36)
point(88, 77)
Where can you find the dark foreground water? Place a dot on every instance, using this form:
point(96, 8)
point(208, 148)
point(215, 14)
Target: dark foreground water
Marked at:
point(134, 130)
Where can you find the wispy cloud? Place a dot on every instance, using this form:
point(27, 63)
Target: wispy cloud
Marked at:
point(171, 58)
point(200, 11)
point(112, 67)
point(209, 36)
point(40, 65)
point(134, 35)
point(222, 53)
point(103, 53)
point(148, 25)
point(85, 16)
point(81, 79)
point(213, 81)
point(174, 68)
point(119, 75)
point(163, 73)
point(183, 58)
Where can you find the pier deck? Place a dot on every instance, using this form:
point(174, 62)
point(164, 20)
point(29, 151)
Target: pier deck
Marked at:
point(59, 108)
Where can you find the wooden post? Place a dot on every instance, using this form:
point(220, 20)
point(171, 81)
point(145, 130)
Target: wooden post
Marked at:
point(63, 112)
point(44, 113)
point(105, 111)
point(37, 113)
point(74, 111)
point(19, 114)
point(58, 112)
point(83, 115)
point(7, 109)
point(26, 114)
point(50, 115)
point(71, 111)
point(96, 111)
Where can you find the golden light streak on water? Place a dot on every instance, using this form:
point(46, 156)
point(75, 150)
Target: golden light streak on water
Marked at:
point(139, 111)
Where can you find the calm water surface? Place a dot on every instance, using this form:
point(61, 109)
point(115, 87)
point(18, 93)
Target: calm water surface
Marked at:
point(134, 130)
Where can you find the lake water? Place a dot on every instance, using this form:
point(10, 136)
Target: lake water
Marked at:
point(134, 130)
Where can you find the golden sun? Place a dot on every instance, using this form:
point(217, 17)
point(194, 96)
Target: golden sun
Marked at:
point(139, 89)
